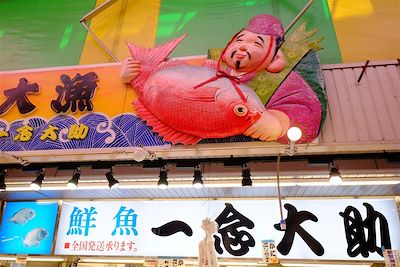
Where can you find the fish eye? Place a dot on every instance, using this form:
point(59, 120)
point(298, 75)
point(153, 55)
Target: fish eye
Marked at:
point(240, 110)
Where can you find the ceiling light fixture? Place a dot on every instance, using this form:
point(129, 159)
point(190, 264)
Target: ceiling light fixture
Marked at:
point(212, 182)
point(37, 183)
point(3, 174)
point(197, 181)
point(334, 175)
point(294, 134)
point(163, 181)
point(112, 182)
point(246, 181)
point(73, 183)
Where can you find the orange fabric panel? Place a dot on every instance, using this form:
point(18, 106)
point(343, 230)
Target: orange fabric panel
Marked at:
point(112, 97)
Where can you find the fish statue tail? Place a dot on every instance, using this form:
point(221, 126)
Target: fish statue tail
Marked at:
point(151, 58)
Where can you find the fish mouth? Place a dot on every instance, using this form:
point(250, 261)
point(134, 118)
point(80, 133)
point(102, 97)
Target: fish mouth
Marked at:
point(264, 128)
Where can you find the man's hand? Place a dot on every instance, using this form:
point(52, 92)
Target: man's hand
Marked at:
point(130, 69)
point(271, 125)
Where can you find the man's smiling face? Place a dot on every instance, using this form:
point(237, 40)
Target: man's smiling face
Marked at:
point(249, 52)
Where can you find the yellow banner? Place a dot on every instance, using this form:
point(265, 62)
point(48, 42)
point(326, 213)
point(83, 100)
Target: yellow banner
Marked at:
point(77, 107)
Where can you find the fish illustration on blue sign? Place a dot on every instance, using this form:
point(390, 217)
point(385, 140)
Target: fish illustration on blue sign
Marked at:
point(35, 236)
point(23, 216)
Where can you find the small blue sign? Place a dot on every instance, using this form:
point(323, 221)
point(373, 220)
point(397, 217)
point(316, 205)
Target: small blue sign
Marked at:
point(28, 228)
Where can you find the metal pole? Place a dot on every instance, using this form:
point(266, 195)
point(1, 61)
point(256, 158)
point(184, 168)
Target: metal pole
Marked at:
point(363, 71)
point(298, 16)
point(91, 15)
point(98, 10)
point(278, 163)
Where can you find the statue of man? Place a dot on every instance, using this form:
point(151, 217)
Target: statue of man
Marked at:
point(252, 50)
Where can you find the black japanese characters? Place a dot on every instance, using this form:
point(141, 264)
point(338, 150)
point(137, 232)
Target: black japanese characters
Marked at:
point(293, 221)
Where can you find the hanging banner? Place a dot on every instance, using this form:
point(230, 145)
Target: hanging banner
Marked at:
point(361, 227)
point(75, 107)
point(28, 228)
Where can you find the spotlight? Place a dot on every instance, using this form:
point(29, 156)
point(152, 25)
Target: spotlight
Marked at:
point(37, 183)
point(112, 182)
point(73, 183)
point(197, 181)
point(246, 181)
point(163, 182)
point(3, 174)
point(334, 175)
point(294, 134)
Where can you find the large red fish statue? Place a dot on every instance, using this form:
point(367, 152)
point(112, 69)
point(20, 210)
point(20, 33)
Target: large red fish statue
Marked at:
point(185, 103)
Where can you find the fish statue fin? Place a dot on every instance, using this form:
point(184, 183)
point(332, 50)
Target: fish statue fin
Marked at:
point(171, 63)
point(150, 59)
point(169, 134)
point(154, 56)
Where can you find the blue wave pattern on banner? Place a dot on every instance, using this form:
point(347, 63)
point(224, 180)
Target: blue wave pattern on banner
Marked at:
point(125, 130)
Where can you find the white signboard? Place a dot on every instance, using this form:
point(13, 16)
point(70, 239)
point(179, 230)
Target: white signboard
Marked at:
point(173, 228)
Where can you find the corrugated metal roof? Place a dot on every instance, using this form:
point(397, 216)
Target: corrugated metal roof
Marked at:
point(362, 112)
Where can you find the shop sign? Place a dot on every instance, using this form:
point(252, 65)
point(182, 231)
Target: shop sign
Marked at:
point(76, 107)
point(28, 228)
point(392, 257)
point(170, 262)
point(337, 229)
